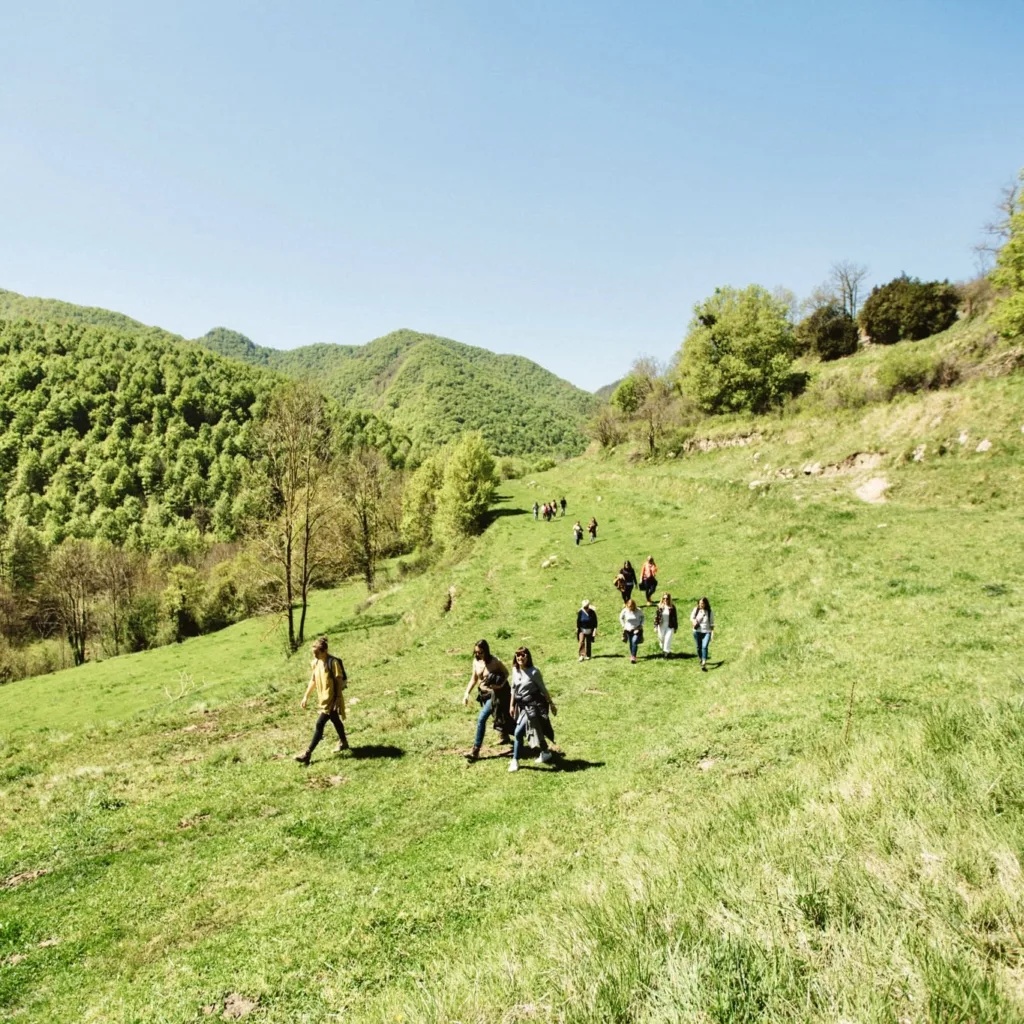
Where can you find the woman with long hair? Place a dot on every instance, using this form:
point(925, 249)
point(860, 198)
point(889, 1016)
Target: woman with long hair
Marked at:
point(532, 707)
point(631, 619)
point(625, 581)
point(592, 529)
point(703, 620)
point(490, 677)
point(666, 622)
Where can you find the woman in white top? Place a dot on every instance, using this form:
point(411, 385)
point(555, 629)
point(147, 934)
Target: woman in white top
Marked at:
point(666, 622)
point(703, 620)
point(631, 619)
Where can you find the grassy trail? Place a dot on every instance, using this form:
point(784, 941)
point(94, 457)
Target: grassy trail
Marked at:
point(713, 848)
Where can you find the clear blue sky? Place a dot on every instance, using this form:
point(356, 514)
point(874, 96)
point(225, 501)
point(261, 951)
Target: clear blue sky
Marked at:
point(557, 179)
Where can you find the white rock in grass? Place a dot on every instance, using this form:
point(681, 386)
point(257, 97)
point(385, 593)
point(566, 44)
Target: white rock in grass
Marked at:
point(598, 498)
point(754, 484)
point(963, 437)
point(813, 469)
point(873, 490)
point(919, 452)
point(983, 446)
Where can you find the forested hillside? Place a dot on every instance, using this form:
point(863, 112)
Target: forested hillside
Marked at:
point(434, 388)
point(117, 436)
point(430, 388)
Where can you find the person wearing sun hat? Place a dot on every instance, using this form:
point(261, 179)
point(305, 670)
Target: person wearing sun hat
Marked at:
point(586, 628)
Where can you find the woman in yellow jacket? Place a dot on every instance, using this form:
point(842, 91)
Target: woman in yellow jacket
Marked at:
point(328, 679)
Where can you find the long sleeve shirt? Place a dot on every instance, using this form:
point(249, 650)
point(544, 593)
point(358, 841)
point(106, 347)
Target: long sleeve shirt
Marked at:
point(631, 621)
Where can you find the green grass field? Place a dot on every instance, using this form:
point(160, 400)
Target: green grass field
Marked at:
point(827, 826)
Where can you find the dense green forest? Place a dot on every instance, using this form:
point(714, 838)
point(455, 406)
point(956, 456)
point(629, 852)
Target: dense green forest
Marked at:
point(430, 389)
point(434, 388)
point(120, 436)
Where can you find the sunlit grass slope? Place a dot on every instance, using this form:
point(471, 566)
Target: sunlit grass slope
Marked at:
point(747, 844)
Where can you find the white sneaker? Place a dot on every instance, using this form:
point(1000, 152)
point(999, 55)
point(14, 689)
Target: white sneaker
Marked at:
point(513, 765)
point(545, 757)
point(581, 657)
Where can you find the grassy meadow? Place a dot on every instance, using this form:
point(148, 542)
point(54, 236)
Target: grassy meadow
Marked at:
point(827, 826)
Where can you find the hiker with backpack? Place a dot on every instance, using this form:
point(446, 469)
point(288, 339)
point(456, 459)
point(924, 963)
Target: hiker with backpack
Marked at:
point(532, 708)
point(666, 622)
point(592, 529)
point(490, 677)
point(577, 532)
point(625, 581)
point(328, 678)
point(649, 578)
point(703, 620)
point(586, 629)
point(631, 619)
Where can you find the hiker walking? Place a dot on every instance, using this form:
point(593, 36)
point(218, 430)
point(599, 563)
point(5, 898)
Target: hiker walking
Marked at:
point(625, 581)
point(562, 503)
point(328, 678)
point(532, 708)
point(631, 619)
point(536, 510)
point(649, 578)
point(666, 622)
point(703, 620)
point(586, 629)
point(490, 677)
point(577, 532)
point(592, 529)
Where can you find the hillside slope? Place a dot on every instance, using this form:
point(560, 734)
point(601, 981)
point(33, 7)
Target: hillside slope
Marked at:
point(826, 826)
point(120, 435)
point(429, 387)
point(434, 388)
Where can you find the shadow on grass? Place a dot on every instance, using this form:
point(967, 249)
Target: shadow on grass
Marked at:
point(713, 664)
point(576, 764)
point(375, 750)
point(494, 514)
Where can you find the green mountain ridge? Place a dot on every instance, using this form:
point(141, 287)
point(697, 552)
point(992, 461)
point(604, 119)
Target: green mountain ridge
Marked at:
point(430, 387)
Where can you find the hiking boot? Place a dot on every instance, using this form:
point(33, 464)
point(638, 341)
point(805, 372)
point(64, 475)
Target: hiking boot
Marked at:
point(506, 740)
point(544, 757)
point(703, 667)
point(632, 659)
point(473, 754)
point(513, 765)
point(303, 758)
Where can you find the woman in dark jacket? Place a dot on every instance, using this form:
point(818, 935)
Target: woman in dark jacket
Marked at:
point(666, 622)
point(586, 629)
point(626, 581)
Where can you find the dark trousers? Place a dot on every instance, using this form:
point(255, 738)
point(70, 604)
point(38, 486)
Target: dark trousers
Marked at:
point(627, 592)
point(318, 732)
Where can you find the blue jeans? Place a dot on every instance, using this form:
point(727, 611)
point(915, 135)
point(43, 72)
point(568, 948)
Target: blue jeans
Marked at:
point(481, 722)
point(634, 643)
point(519, 735)
point(702, 639)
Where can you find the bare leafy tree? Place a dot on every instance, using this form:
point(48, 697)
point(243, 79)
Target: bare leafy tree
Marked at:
point(71, 579)
point(997, 231)
point(117, 579)
point(369, 510)
point(294, 508)
point(846, 280)
point(822, 297)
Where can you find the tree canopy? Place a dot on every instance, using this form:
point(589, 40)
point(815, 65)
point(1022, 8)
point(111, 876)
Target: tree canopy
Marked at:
point(908, 309)
point(738, 351)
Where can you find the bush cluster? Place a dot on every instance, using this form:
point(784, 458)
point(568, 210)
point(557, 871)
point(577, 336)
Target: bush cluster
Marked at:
point(907, 309)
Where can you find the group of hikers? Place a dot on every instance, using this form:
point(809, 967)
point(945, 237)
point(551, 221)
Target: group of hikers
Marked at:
point(549, 509)
point(577, 531)
point(518, 703)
